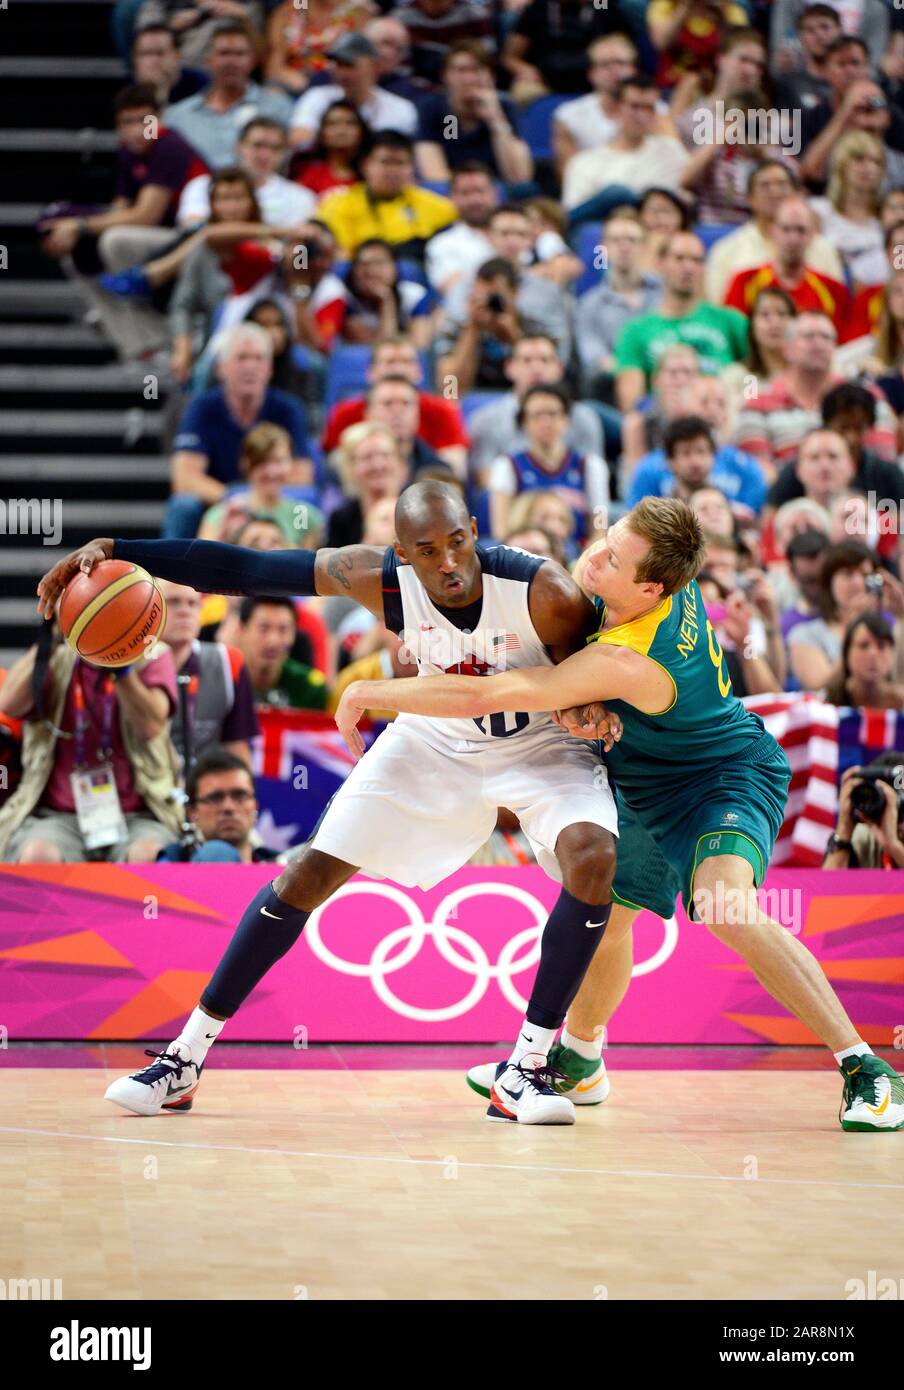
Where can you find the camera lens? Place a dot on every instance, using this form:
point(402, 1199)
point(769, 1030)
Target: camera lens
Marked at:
point(868, 800)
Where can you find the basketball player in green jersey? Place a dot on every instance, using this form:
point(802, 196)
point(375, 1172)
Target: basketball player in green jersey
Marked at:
point(701, 790)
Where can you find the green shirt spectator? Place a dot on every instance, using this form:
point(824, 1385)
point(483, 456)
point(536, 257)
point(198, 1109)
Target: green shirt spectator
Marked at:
point(719, 337)
point(296, 520)
point(266, 635)
point(297, 687)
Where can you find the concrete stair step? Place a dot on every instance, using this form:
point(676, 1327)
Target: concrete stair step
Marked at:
point(55, 141)
point(47, 468)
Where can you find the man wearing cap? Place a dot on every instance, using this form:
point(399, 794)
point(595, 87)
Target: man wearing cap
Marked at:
point(354, 60)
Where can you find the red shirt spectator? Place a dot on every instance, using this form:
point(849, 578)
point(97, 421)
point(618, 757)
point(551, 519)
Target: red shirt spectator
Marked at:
point(315, 629)
point(814, 293)
point(319, 177)
point(248, 263)
point(440, 425)
point(864, 312)
point(773, 423)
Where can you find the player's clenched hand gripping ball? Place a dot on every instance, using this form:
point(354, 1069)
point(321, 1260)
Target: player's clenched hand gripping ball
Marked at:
point(113, 615)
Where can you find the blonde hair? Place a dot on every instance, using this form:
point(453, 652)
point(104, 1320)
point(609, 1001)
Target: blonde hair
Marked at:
point(258, 445)
point(677, 544)
point(800, 506)
point(524, 506)
point(623, 213)
point(675, 350)
point(851, 146)
point(344, 456)
point(888, 331)
point(549, 211)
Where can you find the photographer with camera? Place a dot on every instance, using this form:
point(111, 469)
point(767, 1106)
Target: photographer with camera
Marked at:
point(870, 829)
point(474, 352)
point(100, 771)
point(221, 811)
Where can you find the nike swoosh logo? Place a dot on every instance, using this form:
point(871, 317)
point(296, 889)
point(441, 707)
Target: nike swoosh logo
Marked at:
point(594, 924)
point(271, 914)
point(879, 1109)
point(177, 1090)
point(515, 1095)
point(210, 1036)
point(587, 1086)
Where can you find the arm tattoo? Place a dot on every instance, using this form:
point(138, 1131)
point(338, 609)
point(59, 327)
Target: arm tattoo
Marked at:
point(338, 566)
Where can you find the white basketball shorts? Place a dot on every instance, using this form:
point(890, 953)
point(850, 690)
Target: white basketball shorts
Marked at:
point(415, 812)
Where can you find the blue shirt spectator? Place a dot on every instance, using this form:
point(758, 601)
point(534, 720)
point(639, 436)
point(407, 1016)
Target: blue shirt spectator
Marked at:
point(208, 443)
point(212, 120)
point(735, 473)
point(209, 427)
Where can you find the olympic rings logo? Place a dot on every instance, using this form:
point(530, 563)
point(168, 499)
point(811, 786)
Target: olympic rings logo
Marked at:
point(520, 953)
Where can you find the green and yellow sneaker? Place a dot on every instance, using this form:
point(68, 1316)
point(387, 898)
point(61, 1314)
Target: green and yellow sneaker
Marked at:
point(873, 1094)
point(585, 1083)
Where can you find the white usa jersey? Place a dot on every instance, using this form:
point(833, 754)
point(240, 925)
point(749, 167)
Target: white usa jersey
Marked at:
point(502, 639)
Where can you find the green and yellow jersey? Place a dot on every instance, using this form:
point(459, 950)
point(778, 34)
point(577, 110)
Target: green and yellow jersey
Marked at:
point(704, 727)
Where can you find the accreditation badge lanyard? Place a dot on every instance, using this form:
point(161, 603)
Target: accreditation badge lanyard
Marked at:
point(187, 682)
point(100, 819)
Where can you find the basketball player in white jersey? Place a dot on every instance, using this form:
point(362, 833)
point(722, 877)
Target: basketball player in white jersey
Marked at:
point(425, 797)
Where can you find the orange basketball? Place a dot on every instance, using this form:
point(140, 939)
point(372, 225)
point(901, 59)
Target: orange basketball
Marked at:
point(113, 615)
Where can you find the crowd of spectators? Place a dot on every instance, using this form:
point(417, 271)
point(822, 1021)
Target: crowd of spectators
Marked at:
point(563, 255)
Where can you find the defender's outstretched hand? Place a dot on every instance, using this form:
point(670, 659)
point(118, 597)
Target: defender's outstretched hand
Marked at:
point(348, 712)
point(55, 580)
point(591, 721)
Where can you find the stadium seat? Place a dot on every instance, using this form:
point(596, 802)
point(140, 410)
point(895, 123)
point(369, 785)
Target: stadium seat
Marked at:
point(586, 241)
point(480, 509)
point(303, 358)
point(475, 399)
point(535, 124)
point(440, 186)
point(710, 234)
point(410, 270)
point(346, 372)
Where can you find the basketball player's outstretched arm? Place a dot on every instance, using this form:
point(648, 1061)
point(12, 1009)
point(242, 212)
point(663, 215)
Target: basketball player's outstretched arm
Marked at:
point(353, 571)
point(596, 673)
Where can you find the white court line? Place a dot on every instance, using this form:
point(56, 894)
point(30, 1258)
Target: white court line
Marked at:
point(443, 1162)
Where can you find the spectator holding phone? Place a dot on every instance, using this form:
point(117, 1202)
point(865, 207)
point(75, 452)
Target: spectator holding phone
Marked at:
point(853, 583)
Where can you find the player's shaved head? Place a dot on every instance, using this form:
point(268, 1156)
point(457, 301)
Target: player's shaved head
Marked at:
point(423, 507)
point(437, 536)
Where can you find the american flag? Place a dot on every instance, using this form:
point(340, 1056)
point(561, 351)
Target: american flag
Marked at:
point(820, 741)
point(509, 642)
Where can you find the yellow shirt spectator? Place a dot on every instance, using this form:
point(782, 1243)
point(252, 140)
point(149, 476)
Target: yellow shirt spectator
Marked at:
point(353, 215)
point(376, 667)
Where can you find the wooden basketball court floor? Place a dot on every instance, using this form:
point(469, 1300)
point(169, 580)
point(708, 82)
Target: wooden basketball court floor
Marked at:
point(379, 1183)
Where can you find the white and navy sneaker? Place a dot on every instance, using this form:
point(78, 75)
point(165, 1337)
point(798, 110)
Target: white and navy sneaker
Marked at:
point(169, 1084)
point(527, 1095)
point(583, 1082)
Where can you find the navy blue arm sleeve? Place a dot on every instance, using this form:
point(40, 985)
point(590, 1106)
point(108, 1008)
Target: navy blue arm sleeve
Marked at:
point(215, 568)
